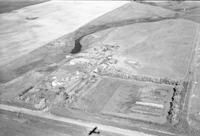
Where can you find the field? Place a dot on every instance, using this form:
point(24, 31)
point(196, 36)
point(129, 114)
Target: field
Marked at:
point(136, 68)
point(153, 49)
point(127, 99)
point(13, 124)
point(28, 36)
point(10, 5)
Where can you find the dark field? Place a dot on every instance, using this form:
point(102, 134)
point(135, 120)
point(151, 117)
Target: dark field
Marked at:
point(10, 5)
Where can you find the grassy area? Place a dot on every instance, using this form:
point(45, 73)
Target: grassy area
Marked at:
point(9, 5)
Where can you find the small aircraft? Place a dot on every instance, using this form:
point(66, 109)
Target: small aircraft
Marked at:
point(94, 131)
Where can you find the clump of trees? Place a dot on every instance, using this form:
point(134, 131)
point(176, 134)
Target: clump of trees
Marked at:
point(175, 105)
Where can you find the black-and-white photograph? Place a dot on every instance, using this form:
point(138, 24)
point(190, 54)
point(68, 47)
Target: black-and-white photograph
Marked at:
point(99, 68)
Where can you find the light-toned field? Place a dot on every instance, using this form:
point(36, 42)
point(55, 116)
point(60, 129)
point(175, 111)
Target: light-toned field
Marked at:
point(53, 19)
point(23, 41)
